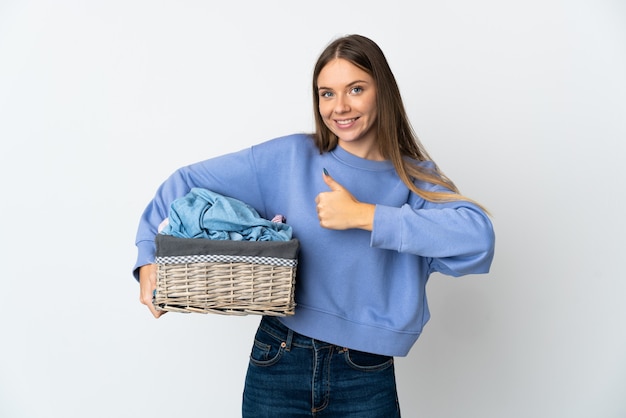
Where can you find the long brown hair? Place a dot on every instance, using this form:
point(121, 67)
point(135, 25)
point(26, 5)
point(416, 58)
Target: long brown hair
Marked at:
point(396, 139)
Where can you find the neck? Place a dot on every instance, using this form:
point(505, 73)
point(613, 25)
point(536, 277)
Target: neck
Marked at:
point(368, 152)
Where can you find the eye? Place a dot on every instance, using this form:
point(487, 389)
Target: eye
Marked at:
point(326, 94)
point(356, 90)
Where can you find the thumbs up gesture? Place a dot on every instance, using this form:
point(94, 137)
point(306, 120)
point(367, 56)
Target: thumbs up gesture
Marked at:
point(338, 209)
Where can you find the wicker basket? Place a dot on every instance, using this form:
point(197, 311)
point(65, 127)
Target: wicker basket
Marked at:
point(225, 277)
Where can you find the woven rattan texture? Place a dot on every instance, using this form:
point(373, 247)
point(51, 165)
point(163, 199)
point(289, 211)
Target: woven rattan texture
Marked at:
point(231, 288)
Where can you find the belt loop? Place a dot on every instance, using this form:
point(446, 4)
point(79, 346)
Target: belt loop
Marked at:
point(289, 338)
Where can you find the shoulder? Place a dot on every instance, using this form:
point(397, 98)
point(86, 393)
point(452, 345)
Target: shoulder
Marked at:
point(427, 172)
point(295, 145)
point(293, 141)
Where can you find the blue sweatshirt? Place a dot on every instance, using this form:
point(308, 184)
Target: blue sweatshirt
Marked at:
point(354, 288)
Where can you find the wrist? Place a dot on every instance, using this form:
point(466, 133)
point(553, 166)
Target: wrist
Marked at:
point(365, 216)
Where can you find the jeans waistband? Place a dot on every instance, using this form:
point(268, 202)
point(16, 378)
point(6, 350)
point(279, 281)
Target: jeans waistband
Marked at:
point(288, 336)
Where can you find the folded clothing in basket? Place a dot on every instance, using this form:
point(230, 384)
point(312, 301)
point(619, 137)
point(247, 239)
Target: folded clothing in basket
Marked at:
point(202, 213)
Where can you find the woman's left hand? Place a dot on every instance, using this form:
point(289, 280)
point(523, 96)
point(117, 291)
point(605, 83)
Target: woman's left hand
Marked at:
point(338, 209)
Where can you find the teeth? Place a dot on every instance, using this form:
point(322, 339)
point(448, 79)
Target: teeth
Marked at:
point(345, 122)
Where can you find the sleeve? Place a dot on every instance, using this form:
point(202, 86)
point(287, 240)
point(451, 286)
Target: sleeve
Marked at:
point(232, 175)
point(457, 237)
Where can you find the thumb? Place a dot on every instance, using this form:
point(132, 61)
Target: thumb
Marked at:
point(330, 182)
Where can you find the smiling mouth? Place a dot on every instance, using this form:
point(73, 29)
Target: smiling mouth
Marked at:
point(345, 121)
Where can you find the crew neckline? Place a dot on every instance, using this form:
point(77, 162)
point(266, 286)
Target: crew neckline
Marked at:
point(358, 162)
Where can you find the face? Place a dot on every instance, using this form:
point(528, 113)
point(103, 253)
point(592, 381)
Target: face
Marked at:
point(347, 104)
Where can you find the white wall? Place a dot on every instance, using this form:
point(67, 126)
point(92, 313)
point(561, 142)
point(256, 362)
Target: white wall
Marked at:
point(523, 104)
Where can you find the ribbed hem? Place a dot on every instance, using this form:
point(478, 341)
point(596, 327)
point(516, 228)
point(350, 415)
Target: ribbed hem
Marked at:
point(345, 333)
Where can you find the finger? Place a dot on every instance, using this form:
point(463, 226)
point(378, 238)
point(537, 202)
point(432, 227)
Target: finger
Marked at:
point(145, 298)
point(330, 182)
point(149, 302)
point(155, 312)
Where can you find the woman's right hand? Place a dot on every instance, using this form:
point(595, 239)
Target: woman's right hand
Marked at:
point(147, 286)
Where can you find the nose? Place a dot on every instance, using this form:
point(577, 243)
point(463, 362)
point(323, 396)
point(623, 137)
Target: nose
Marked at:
point(341, 104)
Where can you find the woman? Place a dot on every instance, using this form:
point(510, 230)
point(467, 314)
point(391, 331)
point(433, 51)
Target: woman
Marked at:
point(374, 217)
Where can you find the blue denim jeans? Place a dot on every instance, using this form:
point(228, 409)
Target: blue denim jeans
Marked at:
point(294, 376)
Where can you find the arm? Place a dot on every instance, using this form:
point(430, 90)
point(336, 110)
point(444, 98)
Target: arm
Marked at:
point(232, 174)
point(457, 236)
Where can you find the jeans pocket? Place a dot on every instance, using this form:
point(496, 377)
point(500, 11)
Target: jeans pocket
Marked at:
point(367, 362)
point(266, 350)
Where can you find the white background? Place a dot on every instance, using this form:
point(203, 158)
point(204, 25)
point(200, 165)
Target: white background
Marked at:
point(523, 104)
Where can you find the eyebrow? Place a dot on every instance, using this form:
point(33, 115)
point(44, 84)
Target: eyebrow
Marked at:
point(347, 85)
